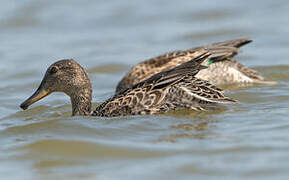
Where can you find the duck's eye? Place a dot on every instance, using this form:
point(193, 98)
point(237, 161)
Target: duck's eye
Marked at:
point(53, 69)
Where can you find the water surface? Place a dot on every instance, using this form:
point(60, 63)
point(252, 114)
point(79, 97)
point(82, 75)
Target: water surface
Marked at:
point(244, 141)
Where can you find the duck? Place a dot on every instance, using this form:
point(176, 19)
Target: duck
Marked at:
point(174, 89)
point(221, 71)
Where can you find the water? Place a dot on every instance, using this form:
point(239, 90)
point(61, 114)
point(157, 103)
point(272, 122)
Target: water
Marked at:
point(244, 141)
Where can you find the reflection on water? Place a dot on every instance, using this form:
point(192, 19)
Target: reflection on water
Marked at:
point(248, 140)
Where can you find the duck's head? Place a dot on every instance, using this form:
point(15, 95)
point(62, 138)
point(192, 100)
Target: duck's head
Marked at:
point(69, 77)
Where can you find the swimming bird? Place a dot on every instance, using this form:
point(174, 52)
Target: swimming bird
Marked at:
point(173, 89)
point(222, 70)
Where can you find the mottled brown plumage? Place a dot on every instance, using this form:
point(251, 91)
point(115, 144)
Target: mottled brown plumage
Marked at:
point(222, 70)
point(169, 90)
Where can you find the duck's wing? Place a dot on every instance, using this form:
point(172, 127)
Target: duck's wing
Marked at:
point(184, 89)
point(189, 68)
point(203, 91)
point(219, 51)
point(146, 96)
point(224, 49)
point(237, 43)
point(147, 68)
point(222, 53)
point(181, 79)
point(178, 88)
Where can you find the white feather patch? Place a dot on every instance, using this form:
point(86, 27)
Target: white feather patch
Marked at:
point(238, 76)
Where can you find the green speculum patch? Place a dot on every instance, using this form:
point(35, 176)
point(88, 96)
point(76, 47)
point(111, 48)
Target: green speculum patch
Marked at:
point(209, 62)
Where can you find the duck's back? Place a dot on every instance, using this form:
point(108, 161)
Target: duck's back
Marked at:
point(139, 101)
point(187, 92)
point(169, 90)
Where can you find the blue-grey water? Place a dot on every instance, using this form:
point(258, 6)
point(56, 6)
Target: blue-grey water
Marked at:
point(244, 141)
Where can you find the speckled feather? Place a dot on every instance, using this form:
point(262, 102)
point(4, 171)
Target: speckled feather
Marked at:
point(224, 67)
point(176, 88)
point(169, 90)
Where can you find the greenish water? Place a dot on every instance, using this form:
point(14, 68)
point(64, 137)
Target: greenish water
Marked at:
point(244, 141)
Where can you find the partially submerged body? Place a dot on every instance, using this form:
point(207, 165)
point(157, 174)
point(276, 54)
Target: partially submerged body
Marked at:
point(169, 90)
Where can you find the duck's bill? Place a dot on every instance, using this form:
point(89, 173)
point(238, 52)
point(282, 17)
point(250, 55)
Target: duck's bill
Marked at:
point(39, 94)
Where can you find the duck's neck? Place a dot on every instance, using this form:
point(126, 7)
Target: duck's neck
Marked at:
point(81, 102)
